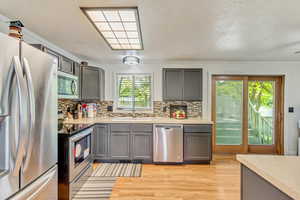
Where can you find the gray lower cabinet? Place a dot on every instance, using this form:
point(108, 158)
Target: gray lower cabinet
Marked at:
point(119, 146)
point(141, 146)
point(197, 143)
point(92, 83)
point(113, 142)
point(100, 142)
point(254, 187)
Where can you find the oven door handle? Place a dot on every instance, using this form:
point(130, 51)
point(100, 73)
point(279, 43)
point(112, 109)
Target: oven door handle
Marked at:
point(82, 134)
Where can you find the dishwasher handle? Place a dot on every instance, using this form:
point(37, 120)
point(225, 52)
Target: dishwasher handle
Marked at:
point(168, 127)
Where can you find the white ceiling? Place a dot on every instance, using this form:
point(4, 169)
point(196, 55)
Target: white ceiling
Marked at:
point(173, 30)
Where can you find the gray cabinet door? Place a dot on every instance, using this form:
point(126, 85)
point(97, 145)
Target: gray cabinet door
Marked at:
point(119, 145)
point(256, 187)
point(102, 84)
point(192, 90)
point(172, 84)
point(77, 71)
point(91, 83)
point(100, 141)
point(197, 146)
point(141, 146)
point(67, 65)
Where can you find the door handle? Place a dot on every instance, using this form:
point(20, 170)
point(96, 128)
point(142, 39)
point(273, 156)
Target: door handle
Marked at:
point(74, 87)
point(31, 98)
point(15, 71)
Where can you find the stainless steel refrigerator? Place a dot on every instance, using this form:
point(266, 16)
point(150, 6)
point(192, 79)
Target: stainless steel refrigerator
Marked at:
point(28, 122)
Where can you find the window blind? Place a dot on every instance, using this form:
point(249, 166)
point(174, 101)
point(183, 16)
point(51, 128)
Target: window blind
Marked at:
point(134, 91)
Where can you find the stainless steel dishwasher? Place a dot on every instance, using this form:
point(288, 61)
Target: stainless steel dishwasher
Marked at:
point(168, 143)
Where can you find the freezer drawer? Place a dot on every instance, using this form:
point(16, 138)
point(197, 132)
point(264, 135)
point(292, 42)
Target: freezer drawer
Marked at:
point(45, 187)
point(168, 144)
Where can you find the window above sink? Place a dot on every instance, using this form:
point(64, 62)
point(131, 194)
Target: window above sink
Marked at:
point(133, 92)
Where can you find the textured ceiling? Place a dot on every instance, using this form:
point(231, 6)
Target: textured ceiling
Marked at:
point(173, 30)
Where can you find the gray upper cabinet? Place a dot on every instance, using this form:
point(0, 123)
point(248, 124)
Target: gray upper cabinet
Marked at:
point(55, 55)
point(197, 143)
point(192, 87)
point(64, 64)
point(100, 142)
point(172, 84)
point(67, 65)
point(92, 83)
point(182, 84)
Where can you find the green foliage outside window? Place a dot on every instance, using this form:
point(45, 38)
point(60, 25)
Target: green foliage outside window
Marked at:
point(134, 91)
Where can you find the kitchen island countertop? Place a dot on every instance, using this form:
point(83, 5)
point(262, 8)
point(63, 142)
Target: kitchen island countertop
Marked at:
point(280, 171)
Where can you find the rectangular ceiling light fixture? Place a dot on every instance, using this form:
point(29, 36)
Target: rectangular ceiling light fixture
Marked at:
point(120, 27)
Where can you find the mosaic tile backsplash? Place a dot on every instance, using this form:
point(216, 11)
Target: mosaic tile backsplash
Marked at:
point(160, 108)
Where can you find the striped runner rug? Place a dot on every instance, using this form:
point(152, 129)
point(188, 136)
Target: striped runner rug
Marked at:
point(95, 187)
point(118, 170)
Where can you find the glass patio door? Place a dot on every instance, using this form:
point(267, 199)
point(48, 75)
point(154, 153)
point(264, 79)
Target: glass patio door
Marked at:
point(247, 114)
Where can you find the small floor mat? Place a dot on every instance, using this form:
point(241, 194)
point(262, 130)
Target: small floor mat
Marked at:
point(118, 170)
point(95, 187)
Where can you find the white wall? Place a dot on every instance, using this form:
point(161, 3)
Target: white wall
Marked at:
point(33, 38)
point(291, 70)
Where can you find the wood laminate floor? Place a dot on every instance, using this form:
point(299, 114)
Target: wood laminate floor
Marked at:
point(218, 181)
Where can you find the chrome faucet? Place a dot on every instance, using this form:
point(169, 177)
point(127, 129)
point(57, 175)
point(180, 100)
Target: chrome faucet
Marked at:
point(133, 113)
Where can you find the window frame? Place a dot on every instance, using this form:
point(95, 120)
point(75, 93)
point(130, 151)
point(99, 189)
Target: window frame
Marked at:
point(129, 110)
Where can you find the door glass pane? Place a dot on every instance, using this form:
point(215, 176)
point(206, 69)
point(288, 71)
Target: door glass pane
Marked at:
point(229, 112)
point(261, 111)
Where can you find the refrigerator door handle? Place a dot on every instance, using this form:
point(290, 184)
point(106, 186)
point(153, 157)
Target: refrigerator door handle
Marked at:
point(16, 71)
point(31, 98)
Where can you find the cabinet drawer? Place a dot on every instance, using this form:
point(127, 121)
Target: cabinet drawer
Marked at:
point(120, 127)
point(142, 127)
point(205, 128)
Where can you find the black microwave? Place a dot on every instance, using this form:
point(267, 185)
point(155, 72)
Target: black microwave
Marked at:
point(67, 86)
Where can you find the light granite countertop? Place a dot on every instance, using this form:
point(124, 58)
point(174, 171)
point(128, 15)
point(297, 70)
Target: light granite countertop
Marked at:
point(281, 171)
point(144, 120)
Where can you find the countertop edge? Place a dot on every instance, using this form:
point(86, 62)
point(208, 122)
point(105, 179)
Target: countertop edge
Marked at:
point(264, 174)
point(154, 121)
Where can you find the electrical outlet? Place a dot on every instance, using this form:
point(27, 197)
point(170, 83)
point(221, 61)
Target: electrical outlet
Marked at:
point(109, 108)
point(291, 109)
